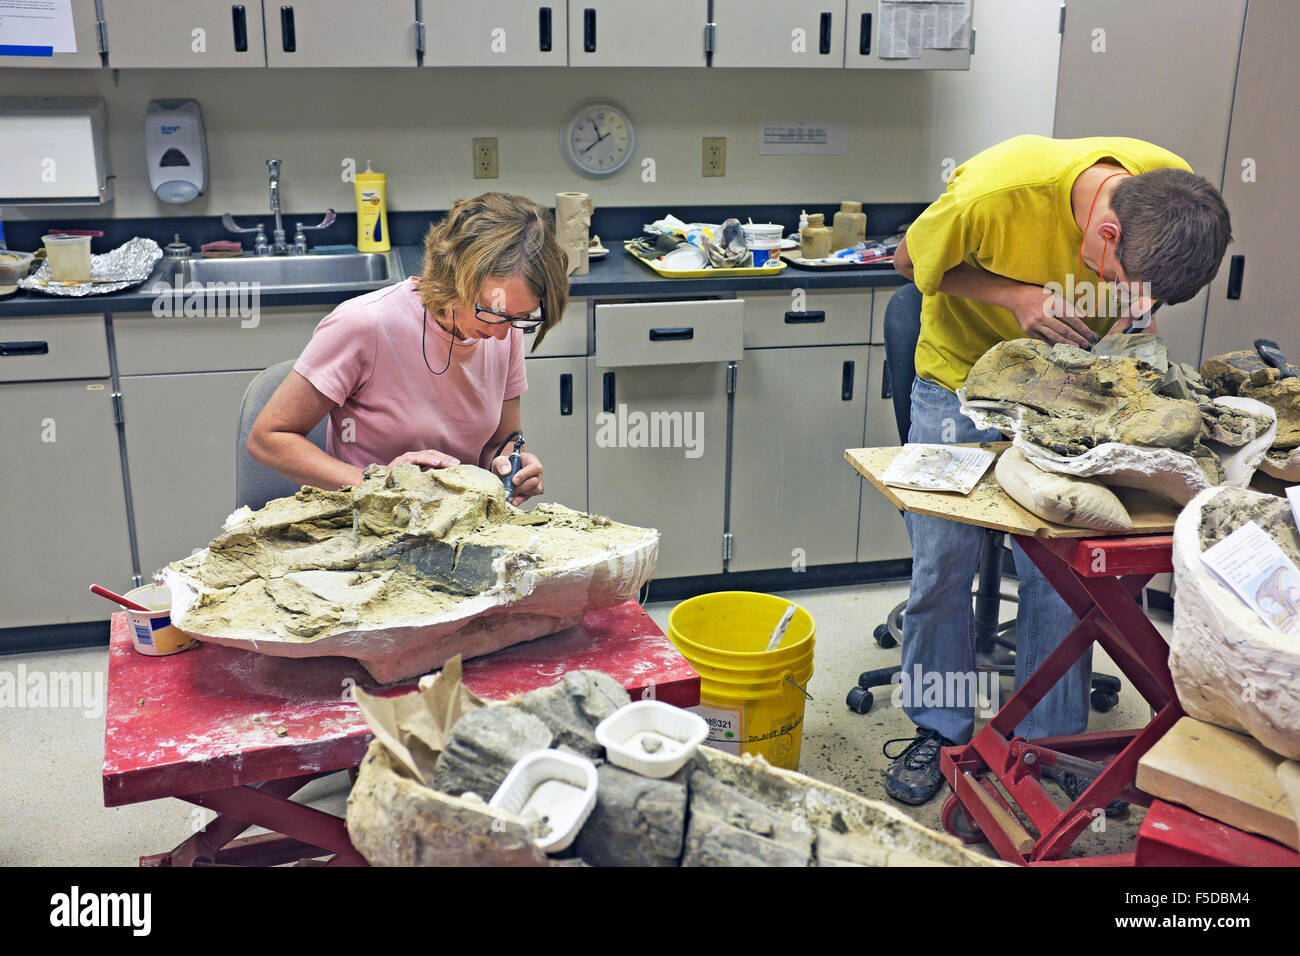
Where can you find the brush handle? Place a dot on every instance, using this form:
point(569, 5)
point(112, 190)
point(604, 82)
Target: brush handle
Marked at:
point(779, 633)
point(117, 598)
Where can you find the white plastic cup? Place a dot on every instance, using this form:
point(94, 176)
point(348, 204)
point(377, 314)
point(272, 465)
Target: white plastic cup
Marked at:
point(69, 257)
point(152, 633)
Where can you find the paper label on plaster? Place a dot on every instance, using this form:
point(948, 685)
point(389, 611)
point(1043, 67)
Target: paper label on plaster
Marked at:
point(1258, 571)
point(726, 727)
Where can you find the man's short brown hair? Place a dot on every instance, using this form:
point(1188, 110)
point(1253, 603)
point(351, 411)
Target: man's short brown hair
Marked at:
point(1174, 230)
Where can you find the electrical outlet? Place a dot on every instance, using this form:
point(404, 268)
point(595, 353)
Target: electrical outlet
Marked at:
point(715, 156)
point(485, 157)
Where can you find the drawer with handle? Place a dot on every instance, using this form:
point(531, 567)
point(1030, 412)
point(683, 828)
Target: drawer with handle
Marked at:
point(801, 317)
point(60, 347)
point(670, 333)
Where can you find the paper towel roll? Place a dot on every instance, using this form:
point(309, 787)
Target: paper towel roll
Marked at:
point(572, 228)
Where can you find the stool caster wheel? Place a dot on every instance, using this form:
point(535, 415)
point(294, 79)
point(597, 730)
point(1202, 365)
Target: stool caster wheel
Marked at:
point(884, 638)
point(860, 700)
point(956, 822)
point(1103, 701)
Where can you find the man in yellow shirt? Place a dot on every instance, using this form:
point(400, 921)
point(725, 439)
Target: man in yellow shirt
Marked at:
point(1021, 226)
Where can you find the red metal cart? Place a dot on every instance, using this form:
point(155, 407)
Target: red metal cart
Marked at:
point(240, 732)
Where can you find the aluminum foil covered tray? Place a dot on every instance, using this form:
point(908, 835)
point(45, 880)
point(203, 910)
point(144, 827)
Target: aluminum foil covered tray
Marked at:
point(127, 265)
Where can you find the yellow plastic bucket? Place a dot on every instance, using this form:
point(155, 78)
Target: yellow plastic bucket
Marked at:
point(753, 699)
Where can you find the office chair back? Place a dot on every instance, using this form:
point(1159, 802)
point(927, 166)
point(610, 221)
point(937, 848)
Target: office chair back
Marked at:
point(902, 329)
point(256, 484)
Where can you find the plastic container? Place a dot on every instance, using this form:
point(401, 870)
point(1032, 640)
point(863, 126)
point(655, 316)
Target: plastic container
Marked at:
point(766, 251)
point(69, 257)
point(14, 266)
point(850, 226)
point(152, 634)
point(815, 238)
point(651, 738)
point(759, 231)
point(555, 787)
point(751, 698)
point(372, 210)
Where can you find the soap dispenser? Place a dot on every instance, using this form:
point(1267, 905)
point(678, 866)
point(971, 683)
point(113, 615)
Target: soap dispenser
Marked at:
point(176, 150)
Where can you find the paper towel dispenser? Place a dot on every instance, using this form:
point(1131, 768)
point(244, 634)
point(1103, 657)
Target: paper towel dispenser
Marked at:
point(54, 151)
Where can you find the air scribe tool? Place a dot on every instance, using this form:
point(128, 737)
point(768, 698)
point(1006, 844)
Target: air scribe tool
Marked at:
point(1272, 355)
point(516, 462)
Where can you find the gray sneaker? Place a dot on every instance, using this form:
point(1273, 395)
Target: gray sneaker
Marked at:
point(914, 776)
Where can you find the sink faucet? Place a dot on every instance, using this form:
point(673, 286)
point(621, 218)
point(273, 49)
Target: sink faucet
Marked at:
point(278, 246)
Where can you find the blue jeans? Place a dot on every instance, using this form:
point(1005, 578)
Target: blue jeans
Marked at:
point(939, 626)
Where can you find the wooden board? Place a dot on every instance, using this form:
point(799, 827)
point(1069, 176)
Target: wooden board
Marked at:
point(1220, 774)
point(990, 507)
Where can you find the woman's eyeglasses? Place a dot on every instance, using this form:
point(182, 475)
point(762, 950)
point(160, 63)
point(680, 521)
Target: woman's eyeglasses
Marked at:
point(530, 321)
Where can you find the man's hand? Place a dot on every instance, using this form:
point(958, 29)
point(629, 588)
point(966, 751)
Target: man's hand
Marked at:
point(528, 482)
point(1048, 317)
point(428, 458)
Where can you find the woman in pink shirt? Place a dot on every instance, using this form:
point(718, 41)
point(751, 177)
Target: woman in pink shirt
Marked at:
point(429, 370)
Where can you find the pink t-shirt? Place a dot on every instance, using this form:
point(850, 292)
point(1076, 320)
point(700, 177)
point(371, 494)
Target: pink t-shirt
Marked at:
point(365, 358)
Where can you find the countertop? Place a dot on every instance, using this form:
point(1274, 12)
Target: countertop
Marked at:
point(617, 275)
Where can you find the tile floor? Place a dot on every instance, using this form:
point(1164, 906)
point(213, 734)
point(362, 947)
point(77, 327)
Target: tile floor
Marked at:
point(51, 804)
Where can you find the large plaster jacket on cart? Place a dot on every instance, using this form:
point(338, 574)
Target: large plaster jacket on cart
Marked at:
point(405, 571)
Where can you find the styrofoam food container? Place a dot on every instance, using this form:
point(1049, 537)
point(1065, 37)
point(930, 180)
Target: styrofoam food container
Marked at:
point(677, 732)
point(152, 633)
point(556, 787)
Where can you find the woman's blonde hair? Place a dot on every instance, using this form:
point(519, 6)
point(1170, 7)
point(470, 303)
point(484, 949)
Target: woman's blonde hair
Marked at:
point(495, 236)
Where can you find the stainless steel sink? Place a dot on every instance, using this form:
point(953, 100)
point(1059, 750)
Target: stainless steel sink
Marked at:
point(288, 272)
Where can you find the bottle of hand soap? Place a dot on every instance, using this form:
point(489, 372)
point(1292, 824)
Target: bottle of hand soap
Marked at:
point(372, 210)
point(850, 226)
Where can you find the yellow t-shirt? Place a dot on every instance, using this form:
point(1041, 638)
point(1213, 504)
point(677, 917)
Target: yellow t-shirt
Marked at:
point(1007, 210)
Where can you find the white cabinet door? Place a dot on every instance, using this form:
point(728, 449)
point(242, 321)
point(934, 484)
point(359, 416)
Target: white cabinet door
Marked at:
point(184, 33)
point(657, 453)
point(805, 34)
point(629, 33)
point(496, 33)
point(334, 33)
point(882, 535)
point(863, 45)
point(64, 508)
point(180, 447)
point(554, 421)
point(793, 496)
point(85, 24)
point(1255, 291)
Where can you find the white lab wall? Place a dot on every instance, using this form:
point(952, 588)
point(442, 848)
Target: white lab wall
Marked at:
point(416, 125)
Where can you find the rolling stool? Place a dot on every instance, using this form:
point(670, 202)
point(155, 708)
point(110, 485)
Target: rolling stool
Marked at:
point(994, 641)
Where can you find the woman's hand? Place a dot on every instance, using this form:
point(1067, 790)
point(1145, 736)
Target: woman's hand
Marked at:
point(428, 458)
point(529, 480)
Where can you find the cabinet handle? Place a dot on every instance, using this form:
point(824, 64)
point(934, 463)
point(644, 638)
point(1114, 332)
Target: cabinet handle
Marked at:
point(886, 390)
point(544, 29)
point(846, 383)
point(1236, 267)
point(24, 348)
point(864, 35)
point(288, 38)
point(239, 19)
point(566, 394)
point(825, 34)
point(680, 334)
point(608, 397)
point(589, 30)
point(798, 318)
